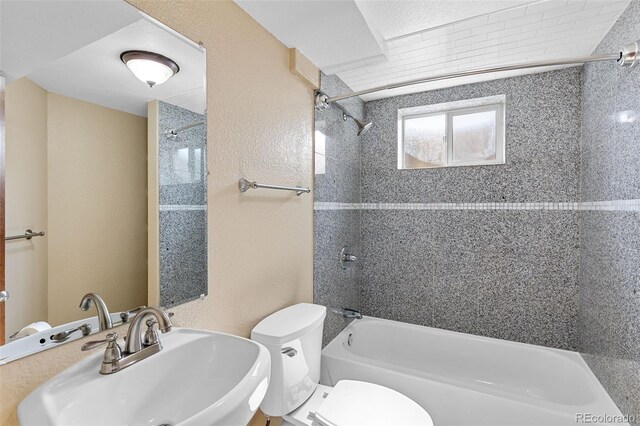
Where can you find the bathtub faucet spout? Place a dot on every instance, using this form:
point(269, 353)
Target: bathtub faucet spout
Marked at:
point(351, 313)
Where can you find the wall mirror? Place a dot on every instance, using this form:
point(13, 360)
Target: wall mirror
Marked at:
point(105, 166)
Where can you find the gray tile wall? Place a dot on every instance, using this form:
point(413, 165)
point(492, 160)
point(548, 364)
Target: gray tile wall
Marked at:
point(183, 227)
point(609, 301)
point(334, 287)
point(506, 274)
point(543, 118)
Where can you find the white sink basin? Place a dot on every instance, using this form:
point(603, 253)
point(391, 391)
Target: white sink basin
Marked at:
point(199, 377)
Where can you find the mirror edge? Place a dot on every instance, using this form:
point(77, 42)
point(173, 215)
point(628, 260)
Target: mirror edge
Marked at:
point(2, 213)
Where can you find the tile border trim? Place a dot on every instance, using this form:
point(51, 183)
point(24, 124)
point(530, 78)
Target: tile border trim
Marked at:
point(181, 207)
point(612, 205)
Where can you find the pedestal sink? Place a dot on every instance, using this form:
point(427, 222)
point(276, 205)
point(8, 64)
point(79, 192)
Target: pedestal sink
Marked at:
point(198, 378)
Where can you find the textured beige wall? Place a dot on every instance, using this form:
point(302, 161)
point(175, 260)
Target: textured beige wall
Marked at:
point(153, 205)
point(74, 169)
point(26, 203)
point(260, 121)
point(97, 184)
point(260, 126)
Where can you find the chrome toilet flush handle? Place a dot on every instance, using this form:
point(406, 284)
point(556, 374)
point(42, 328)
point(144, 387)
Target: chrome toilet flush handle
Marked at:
point(64, 335)
point(289, 351)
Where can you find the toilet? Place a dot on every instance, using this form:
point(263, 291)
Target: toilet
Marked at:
point(293, 337)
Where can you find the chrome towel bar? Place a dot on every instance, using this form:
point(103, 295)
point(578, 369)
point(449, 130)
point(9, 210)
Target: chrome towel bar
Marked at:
point(245, 185)
point(28, 234)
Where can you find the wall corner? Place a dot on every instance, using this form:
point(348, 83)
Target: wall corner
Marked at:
point(304, 68)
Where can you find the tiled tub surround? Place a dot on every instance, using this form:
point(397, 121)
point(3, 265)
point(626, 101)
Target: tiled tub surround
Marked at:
point(183, 212)
point(542, 135)
point(609, 300)
point(457, 279)
point(333, 286)
point(341, 180)
point(477, 249)
point(507, 274)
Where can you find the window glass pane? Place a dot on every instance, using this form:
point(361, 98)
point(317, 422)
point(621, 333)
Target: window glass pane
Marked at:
point(181, 172)
point(425, 143)
point(320, 159)
point(197, 165)
point(320, 142)
point(320, 164)
point(474, 137)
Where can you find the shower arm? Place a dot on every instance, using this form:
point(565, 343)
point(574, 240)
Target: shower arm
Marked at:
point(174, 132)
point(344, 111)
point(627, 57)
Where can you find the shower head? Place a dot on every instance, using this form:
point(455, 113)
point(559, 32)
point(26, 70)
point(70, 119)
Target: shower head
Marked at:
point(362, 125)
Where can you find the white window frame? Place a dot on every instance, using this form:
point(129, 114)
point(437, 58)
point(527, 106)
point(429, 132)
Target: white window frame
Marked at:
point(450, 111)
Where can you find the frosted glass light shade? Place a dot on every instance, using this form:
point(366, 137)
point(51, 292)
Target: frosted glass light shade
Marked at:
point(148, 67)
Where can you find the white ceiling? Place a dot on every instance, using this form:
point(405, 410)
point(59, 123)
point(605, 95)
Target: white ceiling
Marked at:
point(329, 33)
point(429, 37)
point(37, 32)
point(82, 59)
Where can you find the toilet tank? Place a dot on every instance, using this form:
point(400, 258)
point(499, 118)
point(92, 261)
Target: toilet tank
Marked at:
point(293, 337)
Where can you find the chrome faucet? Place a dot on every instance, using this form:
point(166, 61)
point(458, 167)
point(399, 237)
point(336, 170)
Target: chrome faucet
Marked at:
point(351, 313)
point(104, 318)
point(136, 346)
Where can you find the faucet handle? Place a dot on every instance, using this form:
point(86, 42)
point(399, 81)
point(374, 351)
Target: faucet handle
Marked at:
point(151, 336)
point(110, 338)
point(346, 257)
point(113, 352)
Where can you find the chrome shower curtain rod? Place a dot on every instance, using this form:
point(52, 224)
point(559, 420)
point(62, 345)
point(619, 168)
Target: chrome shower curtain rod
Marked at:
point(628, 57)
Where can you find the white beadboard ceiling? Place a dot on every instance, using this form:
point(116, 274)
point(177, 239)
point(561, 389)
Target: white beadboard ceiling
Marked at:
point(427, 37)
point(81, 59)
point(401, 17)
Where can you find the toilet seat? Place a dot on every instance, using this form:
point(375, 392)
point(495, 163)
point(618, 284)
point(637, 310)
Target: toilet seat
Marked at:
point(355, 403)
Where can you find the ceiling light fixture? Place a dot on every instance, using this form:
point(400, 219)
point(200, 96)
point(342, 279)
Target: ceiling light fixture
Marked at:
point(148, 67)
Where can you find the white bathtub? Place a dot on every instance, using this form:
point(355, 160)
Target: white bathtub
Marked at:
point(461, 379)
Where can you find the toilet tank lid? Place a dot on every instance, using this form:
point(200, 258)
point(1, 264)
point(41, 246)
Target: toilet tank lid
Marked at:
point(289, 323)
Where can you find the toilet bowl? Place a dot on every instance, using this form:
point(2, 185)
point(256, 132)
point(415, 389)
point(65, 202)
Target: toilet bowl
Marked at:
point(293, 337)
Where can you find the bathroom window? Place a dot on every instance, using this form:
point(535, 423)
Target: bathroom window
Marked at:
point(461, 133)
